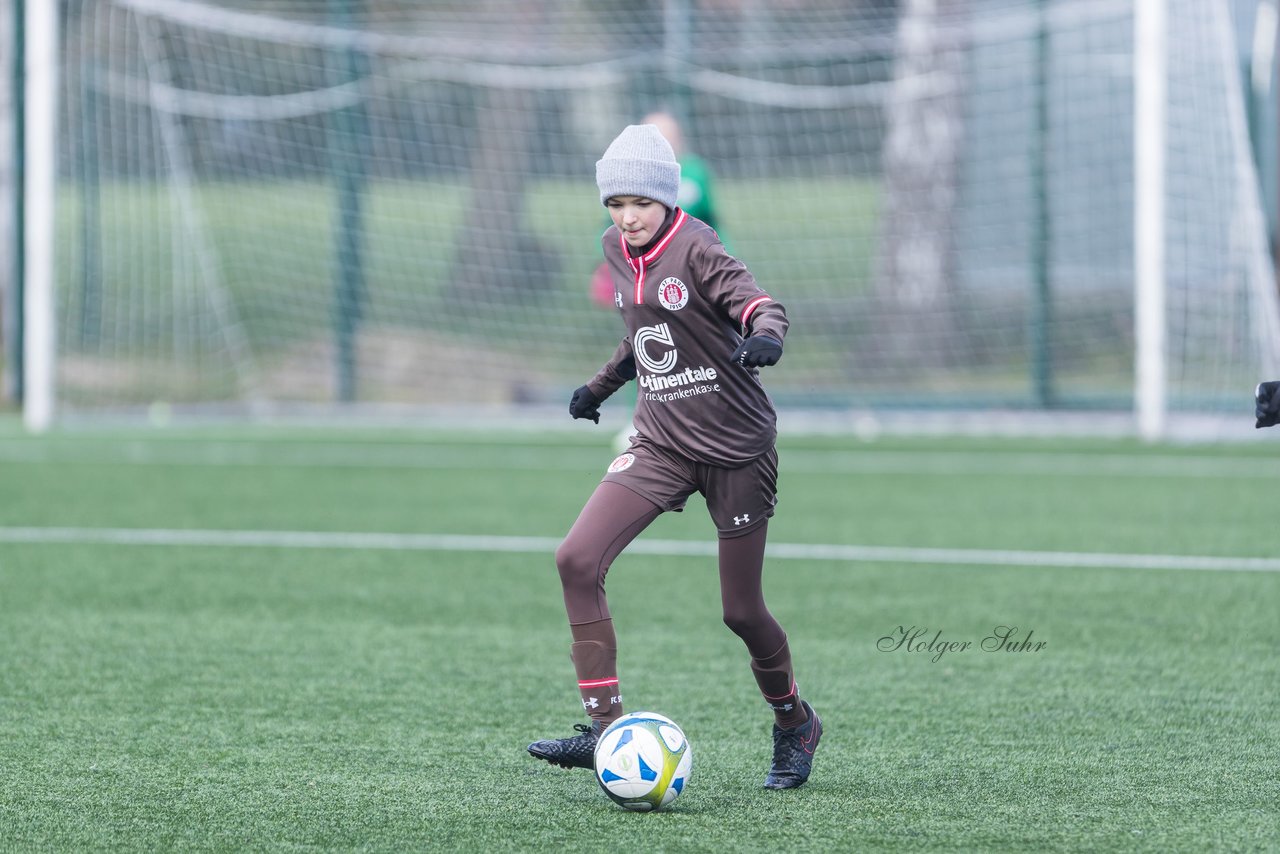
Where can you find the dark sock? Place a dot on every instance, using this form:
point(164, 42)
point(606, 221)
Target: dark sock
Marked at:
point(595, 659)
point(778, 685)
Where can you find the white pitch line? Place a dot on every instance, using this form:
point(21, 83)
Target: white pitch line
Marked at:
point(547, 545)
point(406, 456)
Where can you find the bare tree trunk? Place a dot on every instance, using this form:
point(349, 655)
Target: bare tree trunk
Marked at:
point(495, 253)
point(915, 275)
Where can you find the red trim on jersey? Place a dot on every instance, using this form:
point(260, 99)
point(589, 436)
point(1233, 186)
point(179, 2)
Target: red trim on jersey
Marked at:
point(598, 683)
point(639, 294)
point(637, 268)
point(752, 306)
point(681, 217)
point(638, 264)
point(626, 253)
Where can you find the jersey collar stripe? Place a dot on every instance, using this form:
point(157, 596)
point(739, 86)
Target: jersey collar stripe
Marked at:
point(675, 226)
point(751, 307)
point(622, 241)
point(638, 264)
point(639, 294)
point(653, 253)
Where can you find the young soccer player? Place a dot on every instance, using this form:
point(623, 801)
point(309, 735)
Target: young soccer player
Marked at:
point(695, 196)
point(698, 329)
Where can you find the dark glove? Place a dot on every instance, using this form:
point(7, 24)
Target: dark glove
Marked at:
point(584, 404)
point(758, 351)
point(1267, 397)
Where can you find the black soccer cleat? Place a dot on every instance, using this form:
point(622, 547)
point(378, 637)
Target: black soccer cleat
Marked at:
point(793, 752)
point(576, 751)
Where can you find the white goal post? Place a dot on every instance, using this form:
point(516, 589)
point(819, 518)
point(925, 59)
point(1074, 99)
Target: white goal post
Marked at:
point(1150, 68)
point(42, 62)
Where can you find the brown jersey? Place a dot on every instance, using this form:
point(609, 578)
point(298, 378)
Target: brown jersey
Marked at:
point(687, 304)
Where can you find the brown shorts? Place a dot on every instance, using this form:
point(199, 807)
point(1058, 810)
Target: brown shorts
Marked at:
point(738, 499)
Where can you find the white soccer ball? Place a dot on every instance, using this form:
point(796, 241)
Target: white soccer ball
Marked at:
point(643, 761)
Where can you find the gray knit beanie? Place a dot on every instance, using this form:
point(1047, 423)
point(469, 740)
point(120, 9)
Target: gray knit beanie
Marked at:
point(639, 162)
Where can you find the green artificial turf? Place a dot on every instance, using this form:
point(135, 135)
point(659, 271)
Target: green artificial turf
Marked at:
point(291, 697)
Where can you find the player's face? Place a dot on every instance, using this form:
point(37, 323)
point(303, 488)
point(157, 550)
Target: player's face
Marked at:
point(637, 218)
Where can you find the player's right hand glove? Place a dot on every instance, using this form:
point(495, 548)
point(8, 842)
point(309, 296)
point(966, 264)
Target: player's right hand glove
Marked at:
point(758, 351)
point(1267, 398)
point(584, 404)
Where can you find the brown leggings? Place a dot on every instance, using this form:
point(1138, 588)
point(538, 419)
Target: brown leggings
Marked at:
point(612, 518)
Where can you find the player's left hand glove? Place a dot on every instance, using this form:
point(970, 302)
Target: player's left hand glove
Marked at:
point(758, 351)
point(1267, 397)
point(584, 404)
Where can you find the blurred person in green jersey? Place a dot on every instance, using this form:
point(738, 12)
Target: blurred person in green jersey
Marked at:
point(697, 189)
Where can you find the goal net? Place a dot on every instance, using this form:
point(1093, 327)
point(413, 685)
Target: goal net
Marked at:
point(373, 205)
